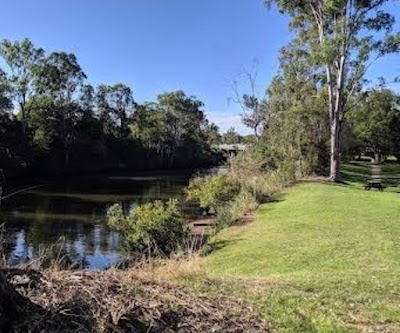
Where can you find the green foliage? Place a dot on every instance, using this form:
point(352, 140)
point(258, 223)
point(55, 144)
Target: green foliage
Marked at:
point(257, 113)
point(231, 137)
point(236, 209)
point(175, 128)
point(227, 195)
point(212, 191)
point(298, 131)
point(254, 171)
point(58, 76)
point(154, 228)
point(115, 103)
point(5, 100)
point(22, 59)
point(184, 124)
point(375, 123)
point(213, 136)
point(337, 39)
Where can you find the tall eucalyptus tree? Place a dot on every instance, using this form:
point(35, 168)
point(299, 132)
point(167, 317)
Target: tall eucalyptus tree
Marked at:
point(344, 37)
point(115, 104)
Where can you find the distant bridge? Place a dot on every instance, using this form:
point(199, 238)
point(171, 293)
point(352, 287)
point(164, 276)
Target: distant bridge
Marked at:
point(232, 149)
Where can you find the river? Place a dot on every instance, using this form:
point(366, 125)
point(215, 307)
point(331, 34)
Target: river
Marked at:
point(72, 212)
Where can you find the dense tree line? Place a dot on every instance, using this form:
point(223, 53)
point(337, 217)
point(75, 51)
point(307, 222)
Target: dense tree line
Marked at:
point(51, 119)
point(319, 108)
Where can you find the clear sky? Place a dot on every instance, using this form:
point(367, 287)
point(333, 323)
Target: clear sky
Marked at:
point(199, 46)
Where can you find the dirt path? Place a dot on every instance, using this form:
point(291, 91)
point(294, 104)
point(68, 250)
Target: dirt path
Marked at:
point(376, 172)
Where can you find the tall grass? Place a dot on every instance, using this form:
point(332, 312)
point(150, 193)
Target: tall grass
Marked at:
point(251, 170)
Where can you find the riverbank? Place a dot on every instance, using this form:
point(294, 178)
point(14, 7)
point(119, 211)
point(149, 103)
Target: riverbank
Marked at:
point(125, 301)
point(322, 258)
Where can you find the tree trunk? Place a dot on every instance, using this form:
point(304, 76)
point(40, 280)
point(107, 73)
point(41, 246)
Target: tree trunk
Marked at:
point(23, 119)
point(377, 157)
point(337, 118)
point(335, 151)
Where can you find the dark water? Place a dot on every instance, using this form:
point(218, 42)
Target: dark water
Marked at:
point(74, 209)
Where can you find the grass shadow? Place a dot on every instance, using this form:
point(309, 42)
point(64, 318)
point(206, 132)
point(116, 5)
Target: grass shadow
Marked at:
point(356, 172)
point(214, 246)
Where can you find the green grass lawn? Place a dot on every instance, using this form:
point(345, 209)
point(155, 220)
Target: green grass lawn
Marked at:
point(324, 258)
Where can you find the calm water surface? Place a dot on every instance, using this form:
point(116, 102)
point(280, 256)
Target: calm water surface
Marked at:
point(74, 210)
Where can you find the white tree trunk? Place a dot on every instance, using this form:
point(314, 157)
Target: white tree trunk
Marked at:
point(336, 119)
point(335, 151)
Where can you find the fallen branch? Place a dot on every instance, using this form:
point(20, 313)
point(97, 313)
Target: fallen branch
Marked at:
point(21, 191)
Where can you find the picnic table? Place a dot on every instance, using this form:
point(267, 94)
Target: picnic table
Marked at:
point(374, 183)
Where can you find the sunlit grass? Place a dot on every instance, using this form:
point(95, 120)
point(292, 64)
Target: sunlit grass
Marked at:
point(325, 258)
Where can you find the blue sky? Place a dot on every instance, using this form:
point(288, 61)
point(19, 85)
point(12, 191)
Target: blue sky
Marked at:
point(164, 45)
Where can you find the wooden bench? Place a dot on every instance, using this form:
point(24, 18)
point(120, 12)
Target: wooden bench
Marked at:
point(374, 184)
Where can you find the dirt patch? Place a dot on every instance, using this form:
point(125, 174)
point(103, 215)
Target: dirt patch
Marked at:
point(249, 218)
point(202, 226)
point(120, 301)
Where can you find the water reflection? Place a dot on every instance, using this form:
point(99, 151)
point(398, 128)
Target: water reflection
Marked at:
point(75, 209)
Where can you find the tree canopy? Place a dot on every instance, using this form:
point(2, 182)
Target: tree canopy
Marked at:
point(52, 119)
point(376, 123)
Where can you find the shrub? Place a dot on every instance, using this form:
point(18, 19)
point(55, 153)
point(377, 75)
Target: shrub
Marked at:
point(236, 209)
point(212, 191)
point(251, 179)
point(250, 169)
point(247, 164)
point(154, 228)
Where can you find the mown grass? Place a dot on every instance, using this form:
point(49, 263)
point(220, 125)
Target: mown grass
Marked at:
point(324, 258)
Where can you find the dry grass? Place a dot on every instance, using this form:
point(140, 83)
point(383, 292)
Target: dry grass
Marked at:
point(140, 299)
point(183, 265)
point(136, 300)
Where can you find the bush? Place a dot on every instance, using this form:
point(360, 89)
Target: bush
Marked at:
point(250, 169)
point(235, 210)
point(154, 228)
point(212, 191)
point(229, 197)
point(251, 180)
